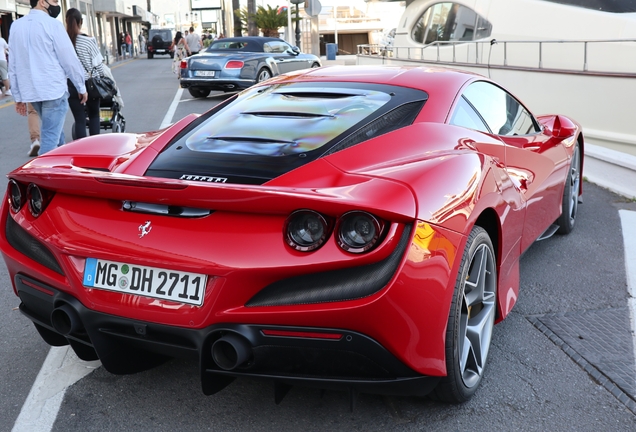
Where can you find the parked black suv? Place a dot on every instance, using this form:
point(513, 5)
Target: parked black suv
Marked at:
point(159, 42)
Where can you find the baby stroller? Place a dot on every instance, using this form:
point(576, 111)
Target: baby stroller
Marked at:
point(110, 116)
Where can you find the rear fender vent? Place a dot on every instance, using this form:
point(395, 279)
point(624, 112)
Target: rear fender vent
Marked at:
point(395, 119)
point(27, 245)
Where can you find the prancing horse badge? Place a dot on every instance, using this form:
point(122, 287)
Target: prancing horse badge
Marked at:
point(144, 229)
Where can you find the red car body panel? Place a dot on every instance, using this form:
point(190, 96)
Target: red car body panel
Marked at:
point(436, 178)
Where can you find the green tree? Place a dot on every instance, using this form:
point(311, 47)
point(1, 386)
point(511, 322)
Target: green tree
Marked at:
point(267, 20)
point(238, 25)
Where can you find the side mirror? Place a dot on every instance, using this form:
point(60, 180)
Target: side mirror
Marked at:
point(558, 126)
point(295, 50)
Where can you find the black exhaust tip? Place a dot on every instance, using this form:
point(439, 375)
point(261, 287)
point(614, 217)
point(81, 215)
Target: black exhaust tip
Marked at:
point(65, 320)
point(231, 351)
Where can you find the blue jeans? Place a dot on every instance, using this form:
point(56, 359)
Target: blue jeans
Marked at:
point(52, 114)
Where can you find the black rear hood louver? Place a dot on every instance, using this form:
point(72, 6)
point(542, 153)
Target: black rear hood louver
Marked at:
point(266, 132)
point(393, 120)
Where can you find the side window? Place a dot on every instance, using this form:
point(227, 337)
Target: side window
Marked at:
point(450, 21)
point(503, 114)
point(466, 116)
point(279, 47)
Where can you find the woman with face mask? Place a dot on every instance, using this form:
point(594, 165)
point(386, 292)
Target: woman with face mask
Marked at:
point(42, 59)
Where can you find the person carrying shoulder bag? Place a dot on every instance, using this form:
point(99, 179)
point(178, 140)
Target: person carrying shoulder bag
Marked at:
point(91, 59)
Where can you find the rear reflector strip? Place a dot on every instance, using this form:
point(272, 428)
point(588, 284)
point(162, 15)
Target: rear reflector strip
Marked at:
point(37, 287)
point(299, 334)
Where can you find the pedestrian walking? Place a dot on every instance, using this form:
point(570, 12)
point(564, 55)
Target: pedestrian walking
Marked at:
point(128, 44)
point(142, 43)
point(4, 68)
point(91, 59)
point(42, 58)
point(194, 42)
point(181, 51)
point(122, 44)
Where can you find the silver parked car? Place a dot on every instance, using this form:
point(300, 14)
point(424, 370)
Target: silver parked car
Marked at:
point(237, 63)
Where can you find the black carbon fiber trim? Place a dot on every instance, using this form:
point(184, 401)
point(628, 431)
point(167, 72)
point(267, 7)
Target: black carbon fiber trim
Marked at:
point(24, 243)
point(395, 119)
point(332, 286)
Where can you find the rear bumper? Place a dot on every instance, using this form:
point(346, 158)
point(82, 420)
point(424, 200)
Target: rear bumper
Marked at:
point(217, 83)
point(303, 356)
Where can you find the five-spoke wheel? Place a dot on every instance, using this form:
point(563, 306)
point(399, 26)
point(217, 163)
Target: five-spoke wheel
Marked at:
point(471, 320)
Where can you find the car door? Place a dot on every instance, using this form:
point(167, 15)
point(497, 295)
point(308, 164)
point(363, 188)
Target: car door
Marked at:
point(284, 57)
point(534, 159)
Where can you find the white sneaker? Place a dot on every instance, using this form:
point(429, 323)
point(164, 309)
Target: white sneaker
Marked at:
point(8, 93)
point(35, 148)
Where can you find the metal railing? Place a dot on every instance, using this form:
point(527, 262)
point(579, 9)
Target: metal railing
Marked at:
point(482, 54)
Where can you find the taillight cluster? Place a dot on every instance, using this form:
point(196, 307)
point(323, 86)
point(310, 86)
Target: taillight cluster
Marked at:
point(183, 64)
point(234, 64)
point(355, 231)
point(36, 198)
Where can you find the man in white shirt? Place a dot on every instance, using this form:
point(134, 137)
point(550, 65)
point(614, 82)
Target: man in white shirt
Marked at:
point(4, 75)
point(194, 42)
point(42, 58)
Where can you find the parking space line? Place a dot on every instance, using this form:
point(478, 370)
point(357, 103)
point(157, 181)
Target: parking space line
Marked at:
point(167, 120)
point(60, 370)
point(628, 222)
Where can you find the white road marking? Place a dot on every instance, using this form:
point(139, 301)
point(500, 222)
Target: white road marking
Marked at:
point(60, 370)
point(167, 120)
point(628, 222)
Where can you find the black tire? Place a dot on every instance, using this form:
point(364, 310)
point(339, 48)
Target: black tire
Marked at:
point(570, 202)
point(171, 55)
point(199, 93)
point(150, 55)
point(73, 134)
point(315, 65)
point(263, 75)
point(470, 321)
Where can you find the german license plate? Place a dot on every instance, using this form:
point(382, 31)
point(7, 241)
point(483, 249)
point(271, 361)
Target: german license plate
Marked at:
point(177, 286)
point(161, 50)
point(204, 73)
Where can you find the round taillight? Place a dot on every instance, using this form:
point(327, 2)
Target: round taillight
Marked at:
point(358, 231)
point(36, 200)
point(16, 197)
point(306, 230)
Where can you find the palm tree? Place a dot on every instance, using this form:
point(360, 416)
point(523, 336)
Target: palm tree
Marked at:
point(252, 30)
point(267, 20)
point(238, 28)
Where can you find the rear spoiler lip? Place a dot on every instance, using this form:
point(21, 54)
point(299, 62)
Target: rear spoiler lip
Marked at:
point(385, 198)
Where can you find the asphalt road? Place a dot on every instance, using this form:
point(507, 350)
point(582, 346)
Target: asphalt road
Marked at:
point(531, 382)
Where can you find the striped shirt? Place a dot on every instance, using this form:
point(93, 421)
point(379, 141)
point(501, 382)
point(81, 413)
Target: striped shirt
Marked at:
point(89, 55)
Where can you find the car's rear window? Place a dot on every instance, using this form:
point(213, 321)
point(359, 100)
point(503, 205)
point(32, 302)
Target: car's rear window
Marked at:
point(266, 131)
point(165, 35)
point(305, 119)
point(235, 45)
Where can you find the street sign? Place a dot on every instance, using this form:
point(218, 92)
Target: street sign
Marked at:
point(313, 7)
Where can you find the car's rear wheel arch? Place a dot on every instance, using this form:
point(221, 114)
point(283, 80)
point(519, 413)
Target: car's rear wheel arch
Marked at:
point(263, 74)
point(489, 221)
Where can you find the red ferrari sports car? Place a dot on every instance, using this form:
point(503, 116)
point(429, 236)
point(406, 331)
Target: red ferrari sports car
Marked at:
point(342, 227)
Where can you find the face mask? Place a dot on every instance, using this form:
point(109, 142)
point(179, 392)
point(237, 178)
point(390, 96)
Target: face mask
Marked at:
point(53, 11)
